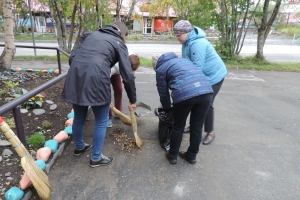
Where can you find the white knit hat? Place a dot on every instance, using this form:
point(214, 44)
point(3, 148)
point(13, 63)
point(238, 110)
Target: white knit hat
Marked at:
point(155, 58)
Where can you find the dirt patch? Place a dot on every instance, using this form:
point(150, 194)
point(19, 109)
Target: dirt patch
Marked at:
point(10, 165)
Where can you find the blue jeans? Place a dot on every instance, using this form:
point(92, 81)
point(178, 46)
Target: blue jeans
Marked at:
point(101, 117)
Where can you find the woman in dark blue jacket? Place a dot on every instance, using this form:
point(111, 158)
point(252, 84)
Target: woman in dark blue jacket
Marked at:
point(191, 92)
point(88, 84)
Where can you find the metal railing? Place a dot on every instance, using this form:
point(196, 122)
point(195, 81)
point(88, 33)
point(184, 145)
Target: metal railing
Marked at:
point(14, 105)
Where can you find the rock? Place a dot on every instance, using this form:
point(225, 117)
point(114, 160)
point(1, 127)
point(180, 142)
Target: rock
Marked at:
point(53, 107)
point(68, 130)
point(7, 174)
point(7, 152)
point(24, 110)
point(50, 70)
point(25, 182)
point(4, 143)
point(70, 115)
point(0, 158)
point(49, 102)
point(41, 164)
point(14, 193)
point(43, 153)
point(9, 178)
point(38, 111)
point(61, 136)
point(52, 144)
point(29, 114)
point(69, 122)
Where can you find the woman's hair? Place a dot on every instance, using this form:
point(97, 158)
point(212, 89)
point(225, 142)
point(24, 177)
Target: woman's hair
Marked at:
point(135, 61)
point(122, 27)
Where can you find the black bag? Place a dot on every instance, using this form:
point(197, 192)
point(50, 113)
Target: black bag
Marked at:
point(164, 126)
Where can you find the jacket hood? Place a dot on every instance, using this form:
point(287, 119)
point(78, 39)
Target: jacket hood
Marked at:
point(111, 30)
point(164, 58)
point(195, 34)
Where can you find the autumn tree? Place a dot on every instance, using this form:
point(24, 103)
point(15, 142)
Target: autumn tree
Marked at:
point(130, 12)
point(161, 8)
point(264, 21)
point(201, 13)
point(83, 16)
point(9, 49)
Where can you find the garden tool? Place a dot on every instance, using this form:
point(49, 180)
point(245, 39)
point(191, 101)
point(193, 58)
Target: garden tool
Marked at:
point(37, 176)
point(124, 118)
point(138, 141)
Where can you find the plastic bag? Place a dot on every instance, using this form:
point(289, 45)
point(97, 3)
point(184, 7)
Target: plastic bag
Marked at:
point(164, 126)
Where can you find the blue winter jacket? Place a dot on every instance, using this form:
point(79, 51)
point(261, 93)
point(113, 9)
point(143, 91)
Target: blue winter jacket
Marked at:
point(198, 49)
point(182, 77)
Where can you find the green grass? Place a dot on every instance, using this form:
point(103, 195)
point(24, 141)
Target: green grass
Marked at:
point(63, 58)
point(238, 63)
point(291, 30)
point(263, 65)
point(28, 36)
point(146, 62)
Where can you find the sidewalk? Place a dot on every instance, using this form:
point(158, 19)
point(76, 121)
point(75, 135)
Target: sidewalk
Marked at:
point(254, 155)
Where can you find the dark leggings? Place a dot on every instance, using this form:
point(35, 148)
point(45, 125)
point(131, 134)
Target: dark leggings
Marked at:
point(209, 120)
point(116, 82)
point(198, 107)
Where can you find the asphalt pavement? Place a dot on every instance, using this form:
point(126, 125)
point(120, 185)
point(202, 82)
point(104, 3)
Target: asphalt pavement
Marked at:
point(255, 154)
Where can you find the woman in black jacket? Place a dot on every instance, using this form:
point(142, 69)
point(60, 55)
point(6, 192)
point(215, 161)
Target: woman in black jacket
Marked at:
point(88, 84)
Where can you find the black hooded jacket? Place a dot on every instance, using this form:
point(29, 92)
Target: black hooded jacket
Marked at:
point(88, 79)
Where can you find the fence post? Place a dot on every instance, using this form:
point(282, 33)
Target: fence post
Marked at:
point(19, 125)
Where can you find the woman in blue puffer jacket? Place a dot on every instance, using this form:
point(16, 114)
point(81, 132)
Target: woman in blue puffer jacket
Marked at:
point(198, 49)
point(191, 93)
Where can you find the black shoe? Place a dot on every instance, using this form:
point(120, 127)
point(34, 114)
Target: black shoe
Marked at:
point(102, 162)
point(187, 129)
point(184, 156)
point(171, 161)
point(80, 151)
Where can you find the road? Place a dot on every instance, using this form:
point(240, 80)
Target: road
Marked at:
point(274, 50)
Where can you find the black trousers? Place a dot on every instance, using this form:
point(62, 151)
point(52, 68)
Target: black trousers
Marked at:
point(209, 121)
point(198, 107)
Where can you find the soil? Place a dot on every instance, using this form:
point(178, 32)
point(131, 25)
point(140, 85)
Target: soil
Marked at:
point(32, 124)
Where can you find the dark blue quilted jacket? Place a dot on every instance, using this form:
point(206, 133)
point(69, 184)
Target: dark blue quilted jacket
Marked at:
point(182, 77)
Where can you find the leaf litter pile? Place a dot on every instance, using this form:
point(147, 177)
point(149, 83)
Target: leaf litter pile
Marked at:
point(124, 142)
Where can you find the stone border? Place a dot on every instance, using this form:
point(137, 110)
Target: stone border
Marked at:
point(28, 191)
point(18, 69)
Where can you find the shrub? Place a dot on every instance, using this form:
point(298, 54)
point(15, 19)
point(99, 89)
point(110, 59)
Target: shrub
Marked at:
point(9, 88)
point(33, 102)
point(46, 124)
point(36, 140)
point(11, 122)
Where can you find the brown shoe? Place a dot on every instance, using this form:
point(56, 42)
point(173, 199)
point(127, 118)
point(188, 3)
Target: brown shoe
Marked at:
point(209, 138)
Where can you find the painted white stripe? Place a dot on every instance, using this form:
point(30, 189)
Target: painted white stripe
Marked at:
point(243, 77)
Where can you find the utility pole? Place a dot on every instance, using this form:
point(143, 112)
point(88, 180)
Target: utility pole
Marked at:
point(31, 22)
